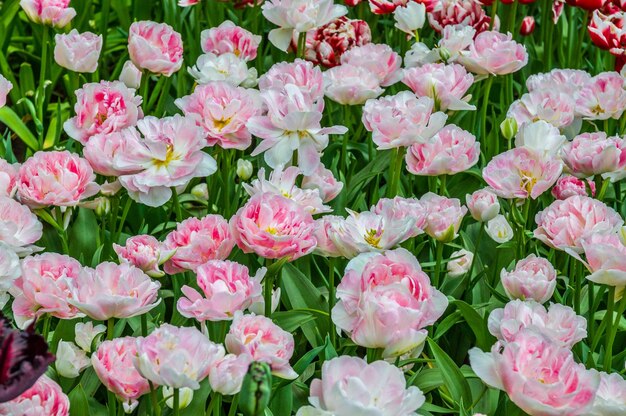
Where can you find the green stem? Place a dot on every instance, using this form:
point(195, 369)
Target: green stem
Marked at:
point(374, 354)
point(438, 261)
point(603, 189)
point(233, 406)
point(143, 88)
point(608, 354)
point(590, 312)
point(144, 324)
point(577, 276)
point(443, 191)
point(347, 119)
point(104, 26)
point(127, 206)
point(46, 326)
point(301, 45)
point(176, 405)
point(61, 231)
point(153, 399)
point(110, 328)
point(41, 97)
point(494, 13)
point(512, 17)
point(331, 300)
point(581, 37)
point(481, 231)
point(179, 213)
point(483, 116)
point(112, 402)
point(268, 286)
point(396, 170)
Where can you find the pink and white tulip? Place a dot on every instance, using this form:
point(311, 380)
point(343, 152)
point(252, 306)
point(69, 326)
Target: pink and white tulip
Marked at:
point(568, 185)
point(532, 278)
point(444, 216)
point(351, 85)
point(446, 84)
point(379, 59)
point(592, 154)
point(144, 252)
point(45, 397)
point(78, 52)
point(606, 261)
point(229, 38)
point(56, 13)
point(5, 87)
point(19, 227)
point(303, 74)
point(155, 47)
point(494, 53)
point(483, 204)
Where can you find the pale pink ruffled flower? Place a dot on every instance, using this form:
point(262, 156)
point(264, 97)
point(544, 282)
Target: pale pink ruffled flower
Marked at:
point(273, 227)
point(444, 216)
point(550, 105)
point(350, 384)
point(559, 322)
point(483, 204)
point(568, 81)
point(298, 16)
point(176, 357)
point(56, 13)
point(568, 185)
point(155, 47)
point(603, 97)
point(8, 178)
point(226, 377)
point(222, 110)
point(460, 13)
point(611, 396)
point(454, 40)
point(262, 340)
point(45, 397)
point(196, 241)
point(494, 53)
point(386, 301)
point(521, 173)
point(107, 152)
point(459, 263)
point(55, 178)
point(45, 287)
point(10, 269)
point(19, 227)
point(292, 124)
point(169, 155)
point(131, 75)
point(446, 84)
point(563, 225)
point(399, 209)
point(5, 88)
point(451, 150)
point(592, 154)
point(541, 137)
point(380, 59)
point(144, 252)
point(351, 85)
point(303, 74)
point(103, 107)
point(606, 259)
point(113, 364)
point(532, 278)
point(326, 228)
point(520, 369)
point(227, 287)
point(226, 67)
point(283, 182)
point(229, 38)
point(401, 120)
point(78, 52)
point(325, 182)
point(114, 291)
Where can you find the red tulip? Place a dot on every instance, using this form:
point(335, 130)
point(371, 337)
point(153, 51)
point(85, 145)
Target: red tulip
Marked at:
point(528, 26)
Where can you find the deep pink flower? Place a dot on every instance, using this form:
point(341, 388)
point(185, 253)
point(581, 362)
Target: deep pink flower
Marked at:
point(103, 107)
point(56, 13)
point(273, 227)
point(196, 241)
point(568, 185)
point(379, 59)
point(528, 26)
point(460, 13)
point(494, 53)
point(446, 84)
point(155, 47)
point(45, 398)
point(229, 38)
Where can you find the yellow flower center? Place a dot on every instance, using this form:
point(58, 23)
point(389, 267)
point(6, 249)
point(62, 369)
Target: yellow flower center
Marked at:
point(372, 237)
point(169, 156)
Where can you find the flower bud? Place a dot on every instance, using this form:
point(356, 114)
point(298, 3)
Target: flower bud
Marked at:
point(533, 278)
point(483, 204)
point(185, 396)
point(256, 389)
point(70, 360)
point(410, 18)
point(200, 191)
point(444, 54)
point(460, 263)
point(509, 128)
point(244, 169)
point(499, 229)
point(86, 333)
point(130, 75)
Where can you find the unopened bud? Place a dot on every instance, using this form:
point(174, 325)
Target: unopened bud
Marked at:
point(244, 169)
point(200, 191)
point(508, 128)
point(444, 54)
point(185, 396)
point(256, 389)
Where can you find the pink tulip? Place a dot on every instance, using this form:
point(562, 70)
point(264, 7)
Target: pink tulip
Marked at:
point(444, 216)
point(45, 287)
point(568, 185)
point(350, 384)
point(155, 47)
point(222, 110)
point(113, 364)
point(541, 137)
point(144, 252)
point(603, 97)
point(55, 178)
point(539, 376)
point(533, 278)
point(176, 357)
point(325, 182)
point(380, 59)
point(327, 229)
point(103, 107)
point(304, 75)
point(568, 81)
point(78, 52)
point(10, 269)
point(45, 397)
point(459, 263)
point(130, 75)
point(483, 204)
point(446, 84)
point(226, 377)
point(351, 85)
point(8, 178)
point(169, 155)
point(56, 13)
point(262, 340)
point(5, 88)
point(226, 67)
point(187, 3)
point(521, 173)
point(400, 209)
point(299, 16)
point(389, 6)
point(229, 38)
point(451, 150)
point(563, 225)
point(226, 288)
point(19, 227)
point(386, 301)
point(606, 260)
point(550, 105)
point(460, 13)
point(114, 291)
point(559, 323)
point(283, 182)
point(611, 396)
point(592, 154)
point(273, 227)
point(401, 120)
point(196, 241)
point(107, 152)
point(494, 53)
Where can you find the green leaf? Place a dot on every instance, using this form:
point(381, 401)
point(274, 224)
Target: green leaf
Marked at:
point(83, 234)
point(79, 405)
point(452, 375)
point(282, 401)
point(12, 120)
point(292, 320)
point(477, 324)
point(198, 403)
